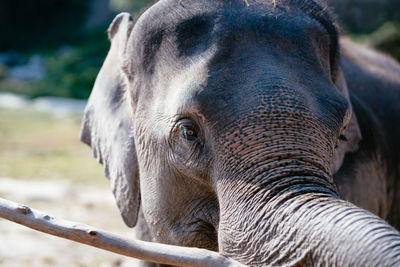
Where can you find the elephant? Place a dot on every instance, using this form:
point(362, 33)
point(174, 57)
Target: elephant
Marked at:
point(251, 128)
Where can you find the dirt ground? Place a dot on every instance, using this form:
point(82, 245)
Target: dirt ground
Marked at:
point(21, 246)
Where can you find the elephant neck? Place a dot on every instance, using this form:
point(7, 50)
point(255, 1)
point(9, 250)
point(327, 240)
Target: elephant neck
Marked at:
point(305, 226)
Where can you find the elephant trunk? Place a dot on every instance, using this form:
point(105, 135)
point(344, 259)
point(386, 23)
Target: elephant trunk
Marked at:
point(305, 224)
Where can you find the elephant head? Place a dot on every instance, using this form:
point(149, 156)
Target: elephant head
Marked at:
point(225, 122)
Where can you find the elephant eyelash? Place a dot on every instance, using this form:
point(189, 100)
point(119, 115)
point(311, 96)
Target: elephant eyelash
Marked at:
point(188, 128)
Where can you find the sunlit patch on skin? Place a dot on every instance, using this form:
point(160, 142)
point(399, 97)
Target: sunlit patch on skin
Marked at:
point(181, 91)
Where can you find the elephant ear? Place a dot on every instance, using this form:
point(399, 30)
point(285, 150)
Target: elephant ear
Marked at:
point(351, 136)
point(107, 125)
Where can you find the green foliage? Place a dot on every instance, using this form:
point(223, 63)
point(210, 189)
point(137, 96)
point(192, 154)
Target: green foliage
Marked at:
point(70, 72)
point(365, 16)
point(3, 71)
point(387, 39)
point(40, 23)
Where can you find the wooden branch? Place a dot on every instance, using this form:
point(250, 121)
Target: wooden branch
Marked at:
point(148, 251)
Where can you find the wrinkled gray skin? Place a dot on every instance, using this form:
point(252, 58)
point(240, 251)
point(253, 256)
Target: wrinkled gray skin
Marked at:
point(243, 129)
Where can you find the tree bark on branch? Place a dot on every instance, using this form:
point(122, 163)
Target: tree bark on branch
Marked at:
point(148, 251)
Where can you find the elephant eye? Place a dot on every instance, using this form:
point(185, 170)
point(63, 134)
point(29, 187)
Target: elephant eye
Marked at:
point(189, 133)
point(188, 129)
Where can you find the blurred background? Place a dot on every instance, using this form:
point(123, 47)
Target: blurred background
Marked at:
point(50, 54)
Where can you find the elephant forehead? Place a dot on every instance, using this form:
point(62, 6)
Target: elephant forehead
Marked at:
point(173, 32)
point(178, 91)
